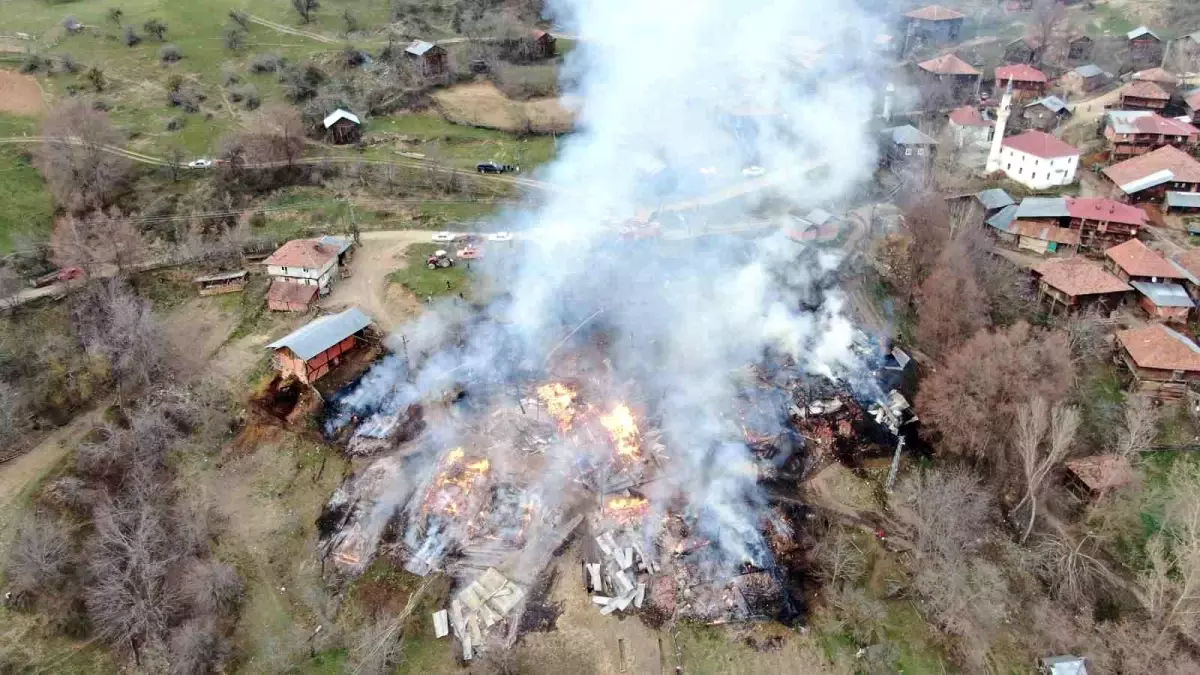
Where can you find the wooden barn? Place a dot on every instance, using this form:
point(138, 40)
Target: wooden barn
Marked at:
point(1073, 283)
point(1145, 47)
point(343, 126)
point(544, 45)
point(1163, 361)
point(933, 24)
point(317, 348)
point(1143, 95)
point(430, 60)
point(223, 282)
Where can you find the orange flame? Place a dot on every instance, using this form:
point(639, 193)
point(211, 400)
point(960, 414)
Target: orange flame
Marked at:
point(627, 509)
point(558, 399)
point(623, 430)
point(454, 482)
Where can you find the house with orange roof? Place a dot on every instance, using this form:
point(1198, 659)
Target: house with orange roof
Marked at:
point(1149, 177)
point(1027, 82)
point(1135, 261)
point(1143, 95)
point(948, 78)
point(1074, 283)
point(1163, 360)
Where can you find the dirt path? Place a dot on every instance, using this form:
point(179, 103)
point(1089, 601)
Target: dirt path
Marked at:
point(292, 31)
point(379, 254)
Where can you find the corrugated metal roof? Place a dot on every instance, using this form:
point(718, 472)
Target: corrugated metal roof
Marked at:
point(342, 244)
point(995, 198)
point(908, 135)
point(1139, 32)
point(325, 332)
point(818, 216)
point(1164, 295)
point(419, 47)
point(339, 114)
point(1004, 219)
point(221, 276)
point(1043, 207)
point(1052, 103)
point(1156, 178)
point(1187, 200)
point(1090, 70)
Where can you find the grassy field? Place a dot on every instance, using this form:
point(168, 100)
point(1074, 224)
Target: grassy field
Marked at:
point(28, 209)
point(424, 282)
point(458, 145)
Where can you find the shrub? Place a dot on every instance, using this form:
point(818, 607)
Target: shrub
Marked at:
point(353, 57)
point(176, 123)
point(96, 77)
point(169, 54)
point(67, 64)
point(240, 18)
point(234, 38)
point(132, 39)
point(33, 63)
point(187, 98)
point(156, 28)
point(266, 63)
point(300, 82)
point(524, 82)
point(247, 94)
point(72, 24)
point(258, 219)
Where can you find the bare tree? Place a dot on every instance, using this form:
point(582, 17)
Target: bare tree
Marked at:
point(1172, 578)
point(377, 648)
point(98, 239)
point(305, 8)
point(1140, 429)
point(119, 326)
point(39, 557)
point(77, 158)
point(1043, 438)
point(947, 509)
point(971, 402)
point(839, 559)
point(211, 587)
point(198, 648)
point(952, 306)
point(1070, 566)
point(1046, 22)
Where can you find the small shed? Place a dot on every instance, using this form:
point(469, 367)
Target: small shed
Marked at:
point(430, 60)
point(1045, 113)
point(1084, 79)
point(1164, 301)
point(1079, 48)
point(223, 282)
point(291, 296)
point(544, 44)
point(1062, 665)
point(1182, 202)
point(318, 347)
point(1073, 283)
point(343, 126)
point(1145, 47)
point(1100, 474)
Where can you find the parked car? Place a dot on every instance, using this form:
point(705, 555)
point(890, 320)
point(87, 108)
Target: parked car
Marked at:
point(202, 163)
point(495, 167)
point(444, 237)
point(500, 236)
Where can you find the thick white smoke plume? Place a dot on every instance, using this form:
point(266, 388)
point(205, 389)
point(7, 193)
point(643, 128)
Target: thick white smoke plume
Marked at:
point(676, 98)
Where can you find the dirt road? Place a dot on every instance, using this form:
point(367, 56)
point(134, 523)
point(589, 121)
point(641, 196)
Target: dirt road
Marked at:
point(378, 255)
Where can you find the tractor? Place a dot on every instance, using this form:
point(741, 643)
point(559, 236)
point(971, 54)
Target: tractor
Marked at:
point(439, 259)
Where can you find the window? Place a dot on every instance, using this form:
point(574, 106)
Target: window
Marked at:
point(908, 152)
point(920, 152)
point(1177, 375)
point(1009, 167)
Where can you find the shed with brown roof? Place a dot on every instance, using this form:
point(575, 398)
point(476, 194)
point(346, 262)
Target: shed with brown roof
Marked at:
point(1101, 473)
point(949, 78)
point(1143, 95)
point(1163, 360)
point(932, 24)
point(1074, 282)
point(290, 296)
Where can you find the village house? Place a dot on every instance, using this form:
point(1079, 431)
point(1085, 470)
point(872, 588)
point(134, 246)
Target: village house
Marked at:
point(1026, 49)
point(1074, 283)
point(1033, 226)
point(1164, 301)
point(1148, 177)
point(303, 270)
point(1134, 261)
point(1103, 223)
point(544, 45)
point(969, 127)
point(977, 207)
point(1079, 48)
point(343, 126)
point(1136, 132)
point(1183, 54)
point(1143, 95)
point(1188, 263)
point(1159, 76)
point(1045, 113)
point(318, 347)
point(948, 78)
point(932, 24)
point(429, 59)
point(1145, 48)
point(1083, 80)
point(1163, 361)
point(1038, 160)
point(906, 147)
point(1027, 82)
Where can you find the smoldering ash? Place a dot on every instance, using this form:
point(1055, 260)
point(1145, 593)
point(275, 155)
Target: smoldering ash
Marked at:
point(675, 100)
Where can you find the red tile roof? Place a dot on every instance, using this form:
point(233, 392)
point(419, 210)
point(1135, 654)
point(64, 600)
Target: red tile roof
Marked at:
point(1157, 124)
point(1139, 260)
point(1079, 276)
point(308, 253)
point(1102, 472)
point(948, 64)
point(1040, 144)
point(1160, 348)
point(1019, 72)
point(291, 292)
point(1184, 168)
point(1105, 210)
point(1144, 89)
point(935, 13)
point(1156, 75)
point(969, 116)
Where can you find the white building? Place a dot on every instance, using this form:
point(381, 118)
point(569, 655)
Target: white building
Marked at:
point(312, 262)
point(1038, 160)
point(969, 127)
